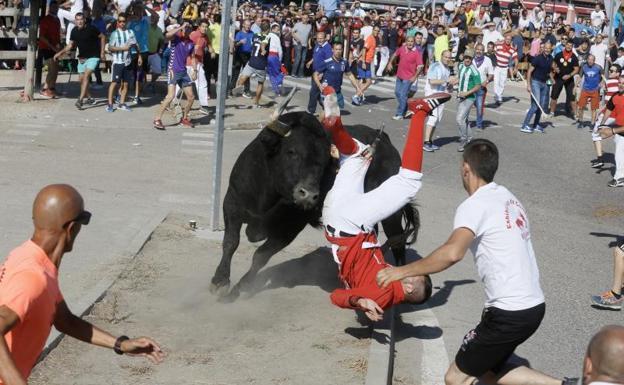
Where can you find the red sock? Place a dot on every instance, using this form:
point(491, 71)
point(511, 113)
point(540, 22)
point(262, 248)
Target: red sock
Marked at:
point(343, 141)
point(413, 152)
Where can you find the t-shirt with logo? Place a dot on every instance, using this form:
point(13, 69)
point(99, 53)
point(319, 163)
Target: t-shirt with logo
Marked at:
point(469, 78)
point(29, 287)
point(180, 50)
point(333, 71)
point(258, 60)
point(566, 63)
point(591, 77)
point(502, 248)
point(120, 38)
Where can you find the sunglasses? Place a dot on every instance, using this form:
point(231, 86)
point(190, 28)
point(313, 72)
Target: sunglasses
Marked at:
point(83, 218)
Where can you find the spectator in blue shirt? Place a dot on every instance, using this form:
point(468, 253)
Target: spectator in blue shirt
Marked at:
point(322, 51)
point(243, 41)
point(331, 72)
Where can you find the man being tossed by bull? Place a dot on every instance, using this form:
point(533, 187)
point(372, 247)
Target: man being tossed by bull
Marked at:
point(350, 214)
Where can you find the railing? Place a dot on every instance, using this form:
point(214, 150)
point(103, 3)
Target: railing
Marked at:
point(13, 12)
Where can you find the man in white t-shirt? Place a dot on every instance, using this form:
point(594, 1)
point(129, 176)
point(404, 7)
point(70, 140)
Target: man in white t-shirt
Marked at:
point(600, 49)
point(597, 16)
point(494, 225)
point(491, 34)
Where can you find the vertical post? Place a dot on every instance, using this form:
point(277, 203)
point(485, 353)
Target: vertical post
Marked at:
point(39, 61)
point(29, 86)
point(611, 12)
point(222, 87)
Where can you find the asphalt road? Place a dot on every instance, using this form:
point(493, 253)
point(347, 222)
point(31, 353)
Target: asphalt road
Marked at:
point(131, 174)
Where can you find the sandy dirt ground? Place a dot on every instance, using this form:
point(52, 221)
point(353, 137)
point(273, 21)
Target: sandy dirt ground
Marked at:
point(287, 332)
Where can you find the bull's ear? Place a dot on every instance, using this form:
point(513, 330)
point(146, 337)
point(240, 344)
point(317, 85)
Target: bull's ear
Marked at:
point(270, 141)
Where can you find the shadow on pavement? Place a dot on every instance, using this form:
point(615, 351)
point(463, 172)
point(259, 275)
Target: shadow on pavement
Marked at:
point(616, 237)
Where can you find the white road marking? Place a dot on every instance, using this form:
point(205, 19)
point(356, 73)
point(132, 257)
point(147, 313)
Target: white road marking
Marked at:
point(198, 134)
point(203, 143)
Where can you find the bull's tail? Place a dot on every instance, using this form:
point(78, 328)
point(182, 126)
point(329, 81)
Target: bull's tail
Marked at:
point(411, 218)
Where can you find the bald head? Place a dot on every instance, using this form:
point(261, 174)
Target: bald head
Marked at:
point(55, 206)
point(606, 356)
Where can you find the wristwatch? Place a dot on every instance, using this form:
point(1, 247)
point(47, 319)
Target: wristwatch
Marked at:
point(118, 341)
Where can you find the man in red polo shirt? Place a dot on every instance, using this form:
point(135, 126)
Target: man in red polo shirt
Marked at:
point(49, 44)
point(350, 214)
point(615, 127)
point(30, 297)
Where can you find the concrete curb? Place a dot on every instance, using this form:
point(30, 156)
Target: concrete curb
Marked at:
point(380, 366)
point(93, 296)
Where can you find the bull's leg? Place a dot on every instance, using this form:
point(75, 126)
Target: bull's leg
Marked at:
point(233, 223)
point(276, 242)
point(394, 229)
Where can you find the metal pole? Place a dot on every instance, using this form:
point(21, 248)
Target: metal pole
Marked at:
point(29, 89)
point(612, 12)
point(221, 95)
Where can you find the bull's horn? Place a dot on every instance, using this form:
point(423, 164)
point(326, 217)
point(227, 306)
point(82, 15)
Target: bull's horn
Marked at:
point(275, 125)
point(279, 110)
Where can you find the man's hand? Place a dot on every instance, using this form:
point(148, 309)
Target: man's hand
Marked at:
point(56, 56)
point(145, 347)
point(373, 311)
point(388, 275)
point(453, 80)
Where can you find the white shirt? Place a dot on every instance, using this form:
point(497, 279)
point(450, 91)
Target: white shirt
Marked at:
point(491, 36)
point(123, 5)
point(600, 52)
point(485, 69)
point(502, 247)
point(366, 31)
point(598, 18)
point(358, 12)
point(76, 6)
point(275, 44)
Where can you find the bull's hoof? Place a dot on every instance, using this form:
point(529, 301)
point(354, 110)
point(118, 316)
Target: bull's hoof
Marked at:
point(220, 289)
point(230, 297)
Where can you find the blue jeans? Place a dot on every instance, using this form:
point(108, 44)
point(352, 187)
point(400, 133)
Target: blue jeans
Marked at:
point(300, 56)
point(480, 102)
point(401, 90)
point(540, 92)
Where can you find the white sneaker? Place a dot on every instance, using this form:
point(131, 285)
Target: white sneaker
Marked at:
point(397, 117)
point(526, 130)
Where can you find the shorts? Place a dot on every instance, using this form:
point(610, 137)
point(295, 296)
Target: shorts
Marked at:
point(593, 95)
point(88, 64)
point(435, 117)
point(340, 98)
point(559, 85)
point(122, 73)
point(155, 64)
point(181, 79)
point(251, 72)
point(487, 347)
point(364, 73)
point(46, 54)
point(595, 135)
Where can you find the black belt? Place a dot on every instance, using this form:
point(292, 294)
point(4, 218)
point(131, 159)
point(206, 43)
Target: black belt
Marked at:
point(340, 233)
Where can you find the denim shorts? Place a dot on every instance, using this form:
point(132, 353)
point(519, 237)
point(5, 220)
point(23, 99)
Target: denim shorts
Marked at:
point(180, 78)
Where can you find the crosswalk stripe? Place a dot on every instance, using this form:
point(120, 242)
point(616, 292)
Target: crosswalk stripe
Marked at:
point(24, 132)
point(209, 135)
point(203, 143)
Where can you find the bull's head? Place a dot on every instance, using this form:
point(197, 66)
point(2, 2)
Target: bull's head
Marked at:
point(298, 153)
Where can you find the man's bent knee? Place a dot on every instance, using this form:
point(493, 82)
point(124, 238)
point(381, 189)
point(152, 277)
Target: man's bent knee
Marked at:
point(454, 376)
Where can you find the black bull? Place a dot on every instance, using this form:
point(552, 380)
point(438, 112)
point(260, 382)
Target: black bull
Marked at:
point(278, 185)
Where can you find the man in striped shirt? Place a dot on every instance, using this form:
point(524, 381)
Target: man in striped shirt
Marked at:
point(505, 53)
point(119, 44)
point(469, 85)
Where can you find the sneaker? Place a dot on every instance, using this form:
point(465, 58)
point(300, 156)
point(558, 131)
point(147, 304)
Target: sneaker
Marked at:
point(429, 103)
point(462, 144)
point(137, 100)
point(238, 91)
point(124, 107)
point(186, 122)
point(428, 146)
point(539, 129)
point(607, 300)
point(397, 117)
point(158, 124)
point(246, 95)
point(616, 183)
point(435, 148)
point(597, 163)
point(47, 94)
point(78, 104)
point(356, 100)
point(570, 381)
point(204, 110)
point(110, 108)
point(91, 101)
point(409, 114)
point(526, 129)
